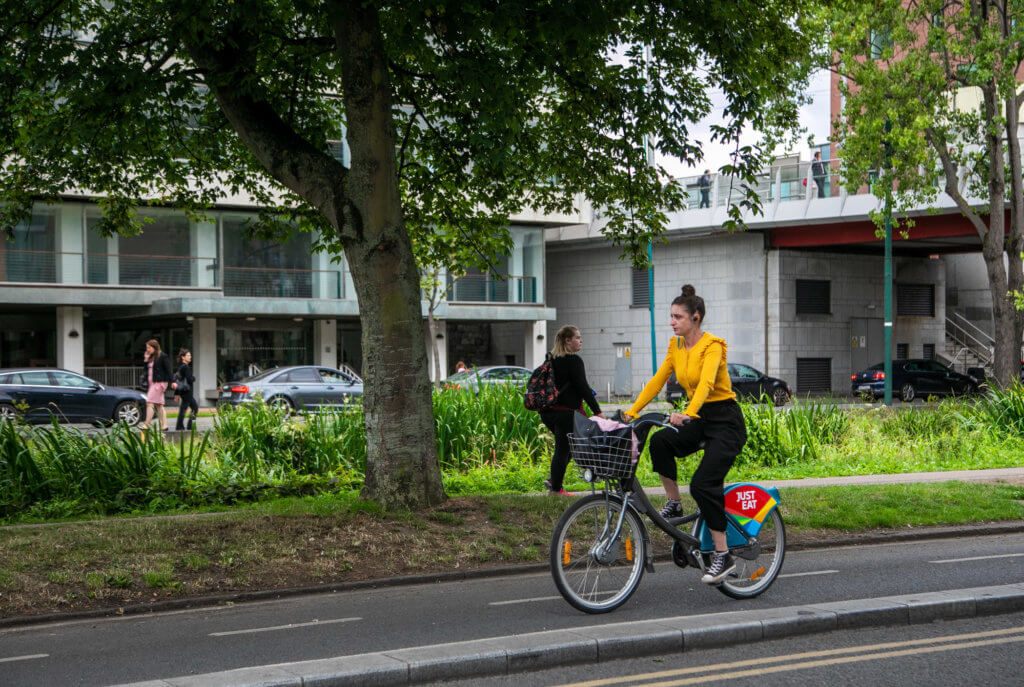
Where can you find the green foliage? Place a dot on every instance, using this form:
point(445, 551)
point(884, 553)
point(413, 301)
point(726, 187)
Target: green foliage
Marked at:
point(779, 438)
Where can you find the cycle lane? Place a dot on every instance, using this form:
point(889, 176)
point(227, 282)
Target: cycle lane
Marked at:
point(381, 620)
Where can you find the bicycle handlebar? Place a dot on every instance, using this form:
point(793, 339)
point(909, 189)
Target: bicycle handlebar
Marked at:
point(659, 419)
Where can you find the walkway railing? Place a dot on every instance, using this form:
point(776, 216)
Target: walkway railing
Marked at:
point(969, 337)
point(151, 270)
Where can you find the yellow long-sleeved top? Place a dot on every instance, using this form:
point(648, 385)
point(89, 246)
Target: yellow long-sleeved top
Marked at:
point(701, 371)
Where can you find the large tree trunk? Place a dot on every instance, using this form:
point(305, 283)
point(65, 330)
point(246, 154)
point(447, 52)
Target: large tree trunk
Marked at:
point(1015, 241)
point(1006, 359)
point(401, 463)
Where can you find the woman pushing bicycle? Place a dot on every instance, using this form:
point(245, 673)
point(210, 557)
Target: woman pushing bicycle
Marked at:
point(712, 416)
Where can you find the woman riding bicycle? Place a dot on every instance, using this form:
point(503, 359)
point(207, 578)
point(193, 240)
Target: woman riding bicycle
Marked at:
point(712, 416)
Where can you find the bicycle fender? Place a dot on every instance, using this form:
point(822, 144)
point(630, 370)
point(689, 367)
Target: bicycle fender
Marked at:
point(750, 504)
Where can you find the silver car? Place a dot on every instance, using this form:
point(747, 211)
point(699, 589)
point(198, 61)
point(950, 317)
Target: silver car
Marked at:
point(474, 379)
point(301, 387)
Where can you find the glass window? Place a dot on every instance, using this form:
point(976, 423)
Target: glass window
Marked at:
point(72, 380)
point(159, 255)
point(303, 375)
point(36, 378)
point(334, 377)
point(497, 373)
point(6, 379)
point(745, 372)
point(880, 40)
point(30, 256)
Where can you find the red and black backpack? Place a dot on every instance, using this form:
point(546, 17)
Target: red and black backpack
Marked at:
point(541, 392)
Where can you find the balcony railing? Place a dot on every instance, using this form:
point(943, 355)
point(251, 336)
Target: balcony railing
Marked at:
point(32, 265)
point(783, 182)
point(151, 270)
point(489, 288)
point(280, 282)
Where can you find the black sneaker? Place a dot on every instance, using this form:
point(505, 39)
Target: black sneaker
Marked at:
point(721, 565)
point(671, 509)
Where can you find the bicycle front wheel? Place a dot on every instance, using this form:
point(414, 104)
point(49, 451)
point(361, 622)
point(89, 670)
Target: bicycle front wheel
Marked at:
point(595, 570)
point(756, 570)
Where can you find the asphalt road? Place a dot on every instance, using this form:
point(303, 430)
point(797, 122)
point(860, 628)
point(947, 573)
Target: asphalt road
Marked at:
point(975, 651)
point(103, 652)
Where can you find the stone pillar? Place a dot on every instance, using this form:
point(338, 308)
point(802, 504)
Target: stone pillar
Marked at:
point(204, 358)
point(535, 343)
point(71, 338)
point(325, 343)
point(69, 244)
point(203, 249)
point(442, 348)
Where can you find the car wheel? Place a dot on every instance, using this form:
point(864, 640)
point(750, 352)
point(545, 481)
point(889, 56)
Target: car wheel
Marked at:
point(779, 397)
point(908, 393)
point(128, 412)
point(7, 412)
point(281, 403)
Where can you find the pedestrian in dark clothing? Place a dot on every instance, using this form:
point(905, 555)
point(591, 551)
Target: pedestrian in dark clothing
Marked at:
point(819, 173)
point(573, 391)
point(705, 188)
point(185, 389)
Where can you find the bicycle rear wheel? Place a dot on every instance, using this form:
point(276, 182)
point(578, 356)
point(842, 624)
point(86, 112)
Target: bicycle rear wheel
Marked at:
point(755, 573)
point(593, 571)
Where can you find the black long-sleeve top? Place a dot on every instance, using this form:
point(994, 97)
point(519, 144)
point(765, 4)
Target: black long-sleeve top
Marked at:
point(571, 382)
point(162, 369)
point(185, 372)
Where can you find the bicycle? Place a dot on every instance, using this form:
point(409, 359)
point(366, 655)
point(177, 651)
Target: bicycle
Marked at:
point(600, 547)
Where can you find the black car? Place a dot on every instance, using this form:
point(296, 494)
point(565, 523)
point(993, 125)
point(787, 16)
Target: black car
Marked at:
point(38, 394)
point(912, 378)
point(746, 382)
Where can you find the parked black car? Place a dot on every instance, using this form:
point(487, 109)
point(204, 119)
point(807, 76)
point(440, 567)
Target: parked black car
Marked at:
point(38, 394)
point(747, 383)
point(912, 378)
point(303, 387)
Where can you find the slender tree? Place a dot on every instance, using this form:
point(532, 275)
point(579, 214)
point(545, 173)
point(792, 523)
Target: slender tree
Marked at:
point(945, 75)
point(456, 114)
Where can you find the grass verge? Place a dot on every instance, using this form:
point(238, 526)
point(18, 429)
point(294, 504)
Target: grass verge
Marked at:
point(297, 542)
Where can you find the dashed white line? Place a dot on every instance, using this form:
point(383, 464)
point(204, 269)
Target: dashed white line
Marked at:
point(978, 558)
point(289, 626)
point(28, 657)
point(812, 572)
point(524, 601)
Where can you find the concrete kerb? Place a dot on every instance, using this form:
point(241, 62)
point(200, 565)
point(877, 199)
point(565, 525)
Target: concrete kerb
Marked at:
point(599, 643)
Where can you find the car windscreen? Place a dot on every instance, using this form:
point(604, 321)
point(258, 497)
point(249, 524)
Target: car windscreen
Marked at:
point(459, 376)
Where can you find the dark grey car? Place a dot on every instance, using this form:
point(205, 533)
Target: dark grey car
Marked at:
point(302, 387)
point(39, 394)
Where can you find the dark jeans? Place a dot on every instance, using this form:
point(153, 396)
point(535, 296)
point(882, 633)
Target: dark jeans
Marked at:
point(722, 429)
point(187, 401)
point(820, 181)
point(705, 202)
point(560, 422)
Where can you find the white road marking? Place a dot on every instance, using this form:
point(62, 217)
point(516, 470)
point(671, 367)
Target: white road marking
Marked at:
point(524, 601)
point(23, 658)
point(812, 572)
point(978, 558)
point(283, 627)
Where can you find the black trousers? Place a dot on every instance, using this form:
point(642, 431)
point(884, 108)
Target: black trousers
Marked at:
point(724, 433)
point(560, 422)
point(187, 401)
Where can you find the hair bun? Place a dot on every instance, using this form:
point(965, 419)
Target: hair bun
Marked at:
point(688, 291)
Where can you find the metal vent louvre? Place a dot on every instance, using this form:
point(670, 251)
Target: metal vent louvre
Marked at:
point(641, 294)
point(813, 374)
point(915, 300)
point(813, 297)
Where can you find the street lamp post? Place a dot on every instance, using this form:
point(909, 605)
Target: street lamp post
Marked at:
point(887, 180)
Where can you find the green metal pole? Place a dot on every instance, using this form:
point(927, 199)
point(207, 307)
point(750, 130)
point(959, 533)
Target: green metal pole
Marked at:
point(887, 180)
point(650, 295)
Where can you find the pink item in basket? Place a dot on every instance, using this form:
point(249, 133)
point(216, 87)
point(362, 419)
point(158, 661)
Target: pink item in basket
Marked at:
point(607, 425)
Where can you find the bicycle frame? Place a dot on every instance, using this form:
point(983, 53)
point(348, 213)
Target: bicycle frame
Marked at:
point(633, 495)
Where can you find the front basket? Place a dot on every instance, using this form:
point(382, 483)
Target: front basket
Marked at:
point(606, 456)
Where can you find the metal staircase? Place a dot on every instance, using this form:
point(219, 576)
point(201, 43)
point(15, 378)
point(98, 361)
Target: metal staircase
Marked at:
point(967, 345)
